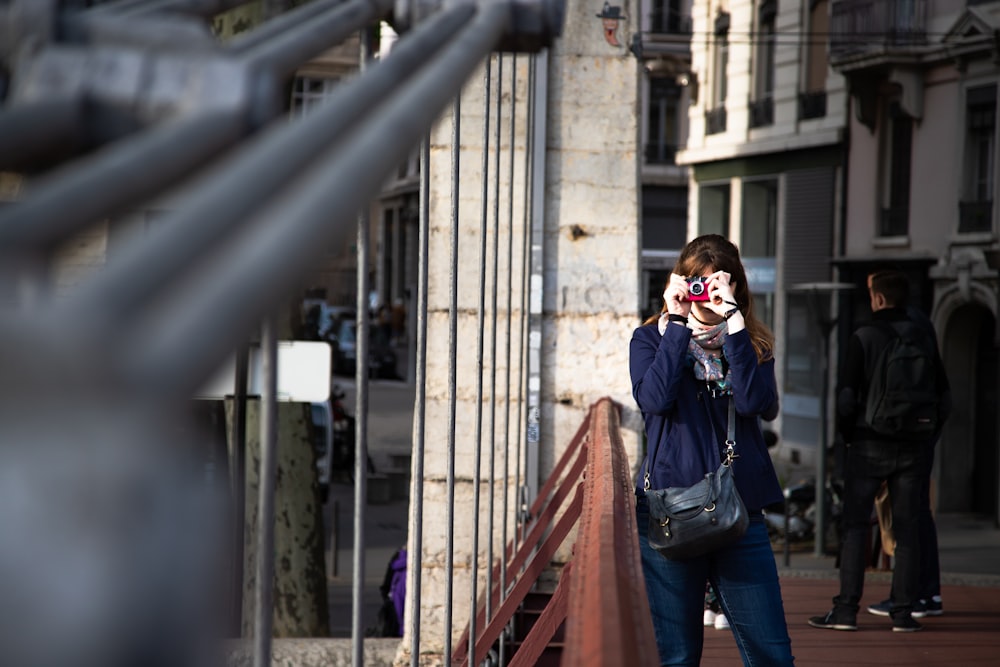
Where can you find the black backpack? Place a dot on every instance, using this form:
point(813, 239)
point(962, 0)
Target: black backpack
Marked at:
point(904, 400)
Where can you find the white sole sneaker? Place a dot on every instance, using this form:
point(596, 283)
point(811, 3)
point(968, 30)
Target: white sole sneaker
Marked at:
point(710, 617)
point(721, 622)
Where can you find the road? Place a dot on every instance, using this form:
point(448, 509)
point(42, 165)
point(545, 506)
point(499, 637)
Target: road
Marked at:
point(390, 405)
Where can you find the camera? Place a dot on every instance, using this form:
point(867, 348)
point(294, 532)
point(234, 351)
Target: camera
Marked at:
point(697, 289)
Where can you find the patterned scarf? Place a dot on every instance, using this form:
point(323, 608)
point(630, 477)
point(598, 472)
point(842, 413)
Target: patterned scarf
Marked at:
point(705, 355)
point(705, 352)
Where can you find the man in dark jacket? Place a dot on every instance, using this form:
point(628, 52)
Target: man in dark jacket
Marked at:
point(874, 457)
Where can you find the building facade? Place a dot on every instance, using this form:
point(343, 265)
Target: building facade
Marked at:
point(921, 191)
point(765, 150)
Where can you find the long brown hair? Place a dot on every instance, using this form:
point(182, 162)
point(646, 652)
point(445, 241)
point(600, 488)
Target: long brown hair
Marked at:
point(717, 253)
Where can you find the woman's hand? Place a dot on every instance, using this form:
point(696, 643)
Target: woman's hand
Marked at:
point(720, 292)
point(675, 295)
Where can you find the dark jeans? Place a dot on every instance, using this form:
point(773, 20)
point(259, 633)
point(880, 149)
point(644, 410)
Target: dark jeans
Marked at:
point(904, 466)
point(929, 579)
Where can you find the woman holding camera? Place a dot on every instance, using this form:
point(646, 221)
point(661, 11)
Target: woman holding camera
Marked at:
point(705, 349)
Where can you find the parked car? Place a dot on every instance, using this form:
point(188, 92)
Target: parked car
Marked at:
point(382, 358)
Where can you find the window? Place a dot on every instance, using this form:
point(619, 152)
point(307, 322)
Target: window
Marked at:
point(307, 92)
point(664, 217)
point(812, 99)
point(895, 218)
point(762, 106)
point(663, 122)
point(759, 218)
point(715, 117)
point(713, 209)
point(666, 18)
point(976, 208)
point(801, 348)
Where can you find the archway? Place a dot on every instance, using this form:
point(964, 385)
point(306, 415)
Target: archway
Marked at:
point(969, 453)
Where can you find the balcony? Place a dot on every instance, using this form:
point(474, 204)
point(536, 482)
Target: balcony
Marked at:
point(761, 112)
point(975, 216)
point(812, 105)
point(715, 120)
point(875, 26)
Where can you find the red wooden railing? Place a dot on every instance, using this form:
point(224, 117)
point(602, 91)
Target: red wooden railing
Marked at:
point(600, 599)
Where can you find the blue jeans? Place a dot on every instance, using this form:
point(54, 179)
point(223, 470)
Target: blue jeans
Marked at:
point(746, 580)
point(904, 466)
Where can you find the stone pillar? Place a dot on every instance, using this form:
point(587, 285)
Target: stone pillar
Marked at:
point(590, 293)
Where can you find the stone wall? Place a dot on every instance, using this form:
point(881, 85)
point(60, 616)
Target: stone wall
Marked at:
point(589, 292)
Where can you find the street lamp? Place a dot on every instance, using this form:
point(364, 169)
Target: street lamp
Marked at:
point(818, 300)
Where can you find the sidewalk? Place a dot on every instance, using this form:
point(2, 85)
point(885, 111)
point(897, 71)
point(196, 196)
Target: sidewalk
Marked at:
point(968, 633)
point(389, 428)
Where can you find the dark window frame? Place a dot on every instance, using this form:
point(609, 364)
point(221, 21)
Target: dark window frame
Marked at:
point(895, 213)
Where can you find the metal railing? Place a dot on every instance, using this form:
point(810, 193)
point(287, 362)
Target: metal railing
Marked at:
point(136, 105)
point(598, 613)
point(860, 26)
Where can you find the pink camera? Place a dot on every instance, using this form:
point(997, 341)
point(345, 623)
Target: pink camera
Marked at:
point(697, 289)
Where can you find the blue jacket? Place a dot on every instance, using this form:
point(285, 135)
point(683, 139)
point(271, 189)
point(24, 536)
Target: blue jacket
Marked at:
point(677, 409)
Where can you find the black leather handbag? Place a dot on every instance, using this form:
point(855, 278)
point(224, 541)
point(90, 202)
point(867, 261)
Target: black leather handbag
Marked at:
point(686, 522)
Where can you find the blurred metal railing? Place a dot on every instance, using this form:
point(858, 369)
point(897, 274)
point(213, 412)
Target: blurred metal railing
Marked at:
point(131, 104)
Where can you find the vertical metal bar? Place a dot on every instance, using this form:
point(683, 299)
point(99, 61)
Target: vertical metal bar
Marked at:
point(478, 438)
point(452, 373)
point(537, 286)
point(419, 408)
point(264, 591)
point(237, 472)
point(510, 278)
point(361, 415)
point(525, 263)
point(494, 253)
point(360, 442)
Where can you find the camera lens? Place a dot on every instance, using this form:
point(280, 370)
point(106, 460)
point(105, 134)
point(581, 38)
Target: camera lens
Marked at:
point(696, 288)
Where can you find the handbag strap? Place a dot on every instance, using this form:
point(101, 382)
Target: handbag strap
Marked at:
point(730, 442)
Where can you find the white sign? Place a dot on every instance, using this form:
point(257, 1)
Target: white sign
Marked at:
point(303, 373)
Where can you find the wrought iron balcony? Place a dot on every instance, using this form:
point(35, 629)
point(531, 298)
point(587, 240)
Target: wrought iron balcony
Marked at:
point(715, 120)
point(812, 105)
point(762, 112)
point(872, 26)
point(975, 216)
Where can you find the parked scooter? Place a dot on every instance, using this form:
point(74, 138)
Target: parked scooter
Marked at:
point(800, 500)
point(800, 503)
